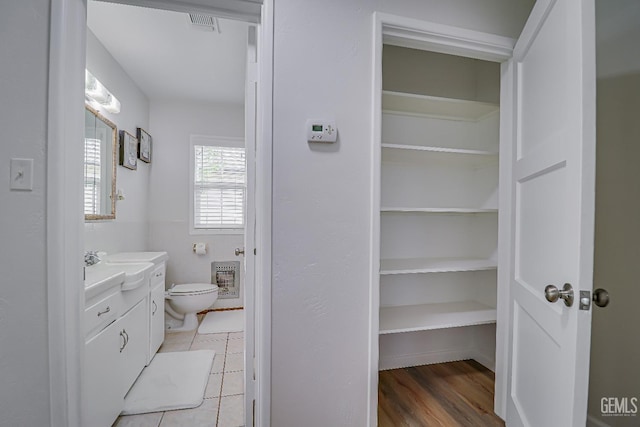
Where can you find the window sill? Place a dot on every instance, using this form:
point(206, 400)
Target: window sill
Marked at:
point(214, 231)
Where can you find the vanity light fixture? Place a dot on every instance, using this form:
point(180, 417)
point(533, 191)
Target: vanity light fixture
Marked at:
point(97, 96)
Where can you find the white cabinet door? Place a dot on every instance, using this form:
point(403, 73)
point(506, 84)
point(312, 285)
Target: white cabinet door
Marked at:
point(102, 391)
point(551, 79)
point(134, 327)
point(156, 325)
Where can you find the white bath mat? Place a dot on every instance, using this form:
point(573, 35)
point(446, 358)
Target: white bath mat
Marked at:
point(216, 322)
point(171, 381)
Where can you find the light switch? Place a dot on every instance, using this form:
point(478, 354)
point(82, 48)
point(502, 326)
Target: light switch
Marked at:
point(21, 174)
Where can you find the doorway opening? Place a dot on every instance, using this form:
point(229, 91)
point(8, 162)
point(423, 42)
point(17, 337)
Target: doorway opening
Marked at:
point(435, 218)
point(438, 232)
point(182, 81)
point(67, 353)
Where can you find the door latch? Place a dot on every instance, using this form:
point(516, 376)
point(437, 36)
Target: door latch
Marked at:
point(600, 298)
point(585, 300)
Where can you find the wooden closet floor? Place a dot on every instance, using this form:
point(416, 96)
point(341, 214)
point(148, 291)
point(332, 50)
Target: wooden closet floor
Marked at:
point(444, 394)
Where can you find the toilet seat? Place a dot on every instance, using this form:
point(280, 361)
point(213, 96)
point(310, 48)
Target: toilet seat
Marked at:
point(182, 302)
point(192, 289)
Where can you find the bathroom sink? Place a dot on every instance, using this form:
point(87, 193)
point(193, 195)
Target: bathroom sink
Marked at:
point(100, 278)
point(135, 273)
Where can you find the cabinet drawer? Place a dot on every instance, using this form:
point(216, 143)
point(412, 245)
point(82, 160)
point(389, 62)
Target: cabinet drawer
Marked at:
point(100, 314)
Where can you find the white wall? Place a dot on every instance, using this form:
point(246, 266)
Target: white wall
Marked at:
point(615, 349)
point(617, 35)
point(439, 74)
point(24, 372)
point(129, 231)
point(321, 197)
point(172, 123)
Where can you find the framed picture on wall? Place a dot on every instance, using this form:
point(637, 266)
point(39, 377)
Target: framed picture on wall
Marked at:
point(144, 146)
point(128, 150)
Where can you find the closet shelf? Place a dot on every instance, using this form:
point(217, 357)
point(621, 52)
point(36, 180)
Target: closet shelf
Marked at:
point(440, 149)
point(453, 157)
point(436, 210)
point(434, 265)
point(424, 317)
point(433, 106)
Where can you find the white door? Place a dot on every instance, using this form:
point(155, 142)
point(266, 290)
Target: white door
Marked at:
point(552, 78)
point(250, 108)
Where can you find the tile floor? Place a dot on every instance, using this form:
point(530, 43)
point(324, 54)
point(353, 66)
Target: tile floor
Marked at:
point(223, 404)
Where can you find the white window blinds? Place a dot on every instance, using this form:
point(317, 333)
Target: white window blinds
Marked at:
point(219, 187)
point(92, 173)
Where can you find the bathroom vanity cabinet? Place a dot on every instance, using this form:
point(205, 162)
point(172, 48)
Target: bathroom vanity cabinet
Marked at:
point(155, 293)
point(116, 351)
point(124, 326)
point(115, 356)
point(438, 209)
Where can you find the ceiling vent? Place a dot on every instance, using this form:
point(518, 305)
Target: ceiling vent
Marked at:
point(200, 21)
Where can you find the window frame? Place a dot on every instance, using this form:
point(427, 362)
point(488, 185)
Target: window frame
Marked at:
point(215, 141)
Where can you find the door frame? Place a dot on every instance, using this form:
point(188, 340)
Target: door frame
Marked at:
point(65, 222)
point(424, 35)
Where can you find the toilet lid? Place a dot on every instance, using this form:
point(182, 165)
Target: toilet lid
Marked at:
point(193, 288)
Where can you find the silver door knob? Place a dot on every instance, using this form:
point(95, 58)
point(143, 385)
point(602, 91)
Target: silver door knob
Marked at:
point(552, 294)
point(239, 251)
point(601, 297)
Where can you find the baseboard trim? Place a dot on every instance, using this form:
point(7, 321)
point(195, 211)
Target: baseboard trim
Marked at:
point(417, 359)
point(485, 361)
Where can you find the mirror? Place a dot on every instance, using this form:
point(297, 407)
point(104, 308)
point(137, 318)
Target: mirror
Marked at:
point(100, 145)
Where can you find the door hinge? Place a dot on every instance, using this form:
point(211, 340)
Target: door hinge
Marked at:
point(254, 251)
point(253, 414)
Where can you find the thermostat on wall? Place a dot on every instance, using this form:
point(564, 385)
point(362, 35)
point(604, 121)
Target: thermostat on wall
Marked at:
point(321, 131)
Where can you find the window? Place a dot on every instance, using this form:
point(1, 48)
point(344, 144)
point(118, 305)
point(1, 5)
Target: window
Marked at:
point(219, 186)
point(92, 173)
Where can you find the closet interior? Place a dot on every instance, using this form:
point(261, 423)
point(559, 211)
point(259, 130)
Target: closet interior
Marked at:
point(438, 208)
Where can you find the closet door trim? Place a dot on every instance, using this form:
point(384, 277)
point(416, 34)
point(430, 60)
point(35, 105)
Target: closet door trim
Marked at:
point(425, 35)
point(407, 32)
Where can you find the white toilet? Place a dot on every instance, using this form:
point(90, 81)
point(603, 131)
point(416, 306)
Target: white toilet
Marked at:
point(183, 302)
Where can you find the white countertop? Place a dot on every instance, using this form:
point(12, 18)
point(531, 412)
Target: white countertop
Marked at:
point(128, 257)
